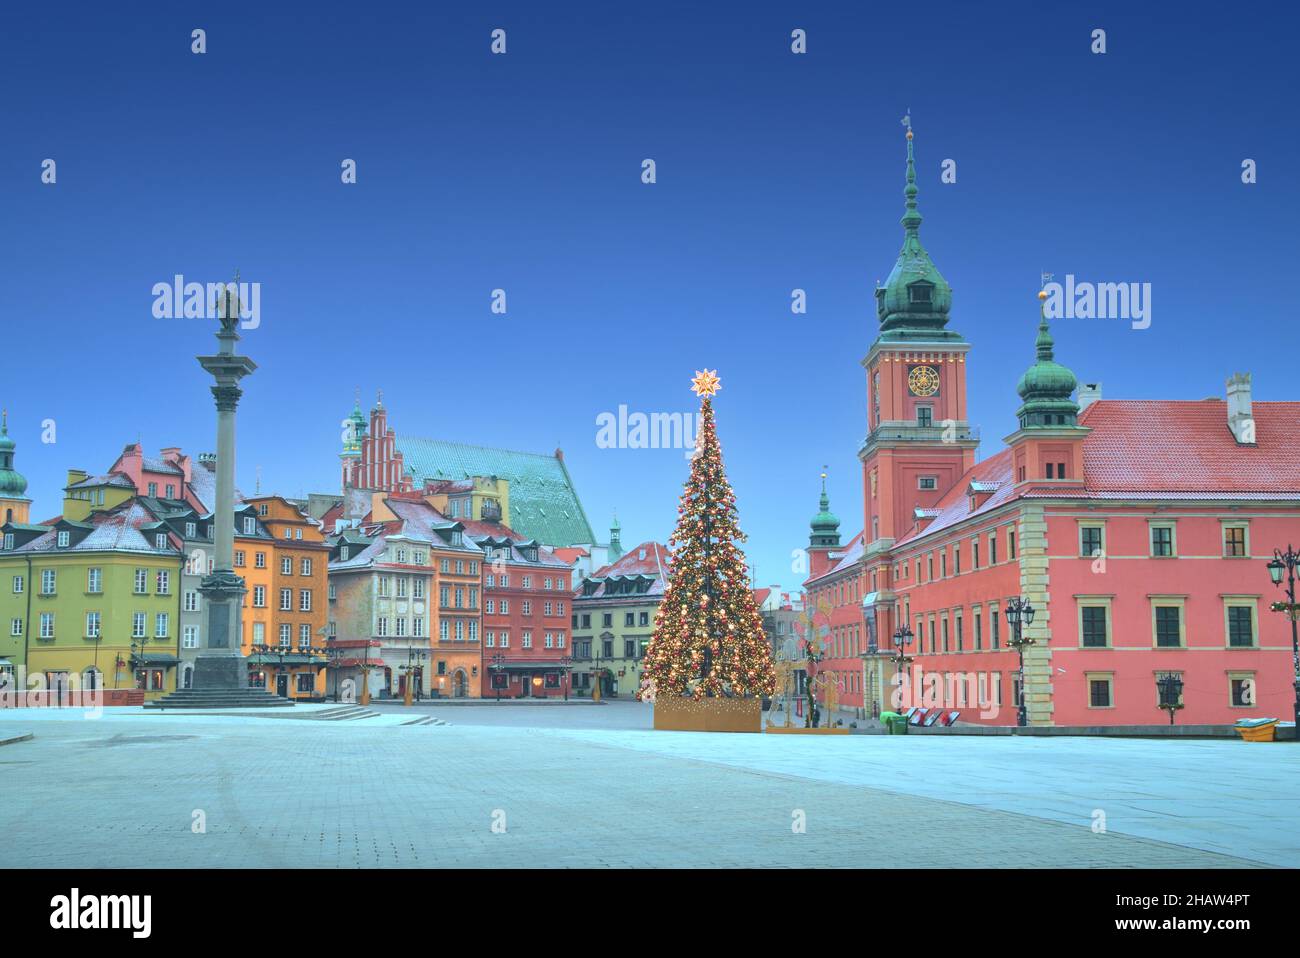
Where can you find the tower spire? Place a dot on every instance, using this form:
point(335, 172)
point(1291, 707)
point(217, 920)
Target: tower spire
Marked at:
point(912, 217)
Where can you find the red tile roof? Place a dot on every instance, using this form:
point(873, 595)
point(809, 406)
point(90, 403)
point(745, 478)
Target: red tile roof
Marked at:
point(1153, 449)
point(1177, 446)
point(571, 554)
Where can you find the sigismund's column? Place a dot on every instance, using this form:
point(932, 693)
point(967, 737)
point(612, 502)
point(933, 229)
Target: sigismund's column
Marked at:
point(221, 663)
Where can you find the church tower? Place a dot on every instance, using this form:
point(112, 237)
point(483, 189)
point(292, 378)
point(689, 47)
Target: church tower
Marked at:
point(354, 430)
point(823, 537)
point(919, 442)
point(14, 504)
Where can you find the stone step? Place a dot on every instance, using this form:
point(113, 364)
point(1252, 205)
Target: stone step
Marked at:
point(344, 713)
point(219, 698)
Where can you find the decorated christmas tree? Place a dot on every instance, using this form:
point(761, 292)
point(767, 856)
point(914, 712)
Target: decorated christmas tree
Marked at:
point(708, 637)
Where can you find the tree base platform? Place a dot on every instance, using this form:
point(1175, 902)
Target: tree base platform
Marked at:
point(800, 730)
point(677, 714)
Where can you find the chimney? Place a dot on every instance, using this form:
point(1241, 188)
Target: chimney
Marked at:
point(1240, 418)
point(1088, 394)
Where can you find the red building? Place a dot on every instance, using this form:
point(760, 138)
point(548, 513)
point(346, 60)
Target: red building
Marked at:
point(526, 609)
point(1139, 532)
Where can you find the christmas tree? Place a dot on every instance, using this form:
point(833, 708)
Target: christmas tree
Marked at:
point(708, 637)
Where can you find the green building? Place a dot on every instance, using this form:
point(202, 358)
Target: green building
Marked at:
point(99, 597)
point(613, 618)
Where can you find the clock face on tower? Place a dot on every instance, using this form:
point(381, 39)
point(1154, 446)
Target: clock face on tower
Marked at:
point(923, 381)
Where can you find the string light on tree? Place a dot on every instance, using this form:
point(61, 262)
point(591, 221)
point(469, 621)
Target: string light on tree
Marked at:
point(708, 637)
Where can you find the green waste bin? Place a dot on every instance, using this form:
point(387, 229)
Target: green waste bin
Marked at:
point(894, 723)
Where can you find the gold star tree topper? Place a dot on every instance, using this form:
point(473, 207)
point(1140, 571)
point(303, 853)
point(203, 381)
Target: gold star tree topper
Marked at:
point(706, 383)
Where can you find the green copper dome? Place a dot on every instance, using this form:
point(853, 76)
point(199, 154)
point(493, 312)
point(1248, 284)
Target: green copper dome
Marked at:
point(1046, 387)
point(915, 297)
point(12, 483)
point(825, 525)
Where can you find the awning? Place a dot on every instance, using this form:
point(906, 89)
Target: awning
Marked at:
point(155, 658)
point(289, 658)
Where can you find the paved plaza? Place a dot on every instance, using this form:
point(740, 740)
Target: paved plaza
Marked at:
point(583, 785)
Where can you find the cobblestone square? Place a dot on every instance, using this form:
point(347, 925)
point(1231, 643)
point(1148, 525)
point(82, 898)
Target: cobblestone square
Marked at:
point(583, 786)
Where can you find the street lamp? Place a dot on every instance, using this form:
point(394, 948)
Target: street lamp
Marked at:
point(1288, 562)
point(498, 666)
point(1170, 686)
point(566, 662)
point(413, 656)
point(1020, 614)
point(902, 639)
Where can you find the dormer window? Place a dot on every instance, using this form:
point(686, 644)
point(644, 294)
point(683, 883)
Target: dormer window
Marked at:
point(160, 541)
point(343, 554)
point(456, 537)
point(920, 294)
point(63, 539)
point(191, 529)
point(250, 526)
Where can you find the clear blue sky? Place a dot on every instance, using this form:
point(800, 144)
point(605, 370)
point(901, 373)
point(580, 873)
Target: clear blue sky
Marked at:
point(522, 171)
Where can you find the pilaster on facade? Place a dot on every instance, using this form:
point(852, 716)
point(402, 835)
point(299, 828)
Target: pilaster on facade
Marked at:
point(1034, 587)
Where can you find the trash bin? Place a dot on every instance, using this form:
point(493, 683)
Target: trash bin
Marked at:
point(899, 726)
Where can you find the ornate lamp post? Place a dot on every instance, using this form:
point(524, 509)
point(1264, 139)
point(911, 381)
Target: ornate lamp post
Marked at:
point(414, 660)
point(902, 639)
point(498, 666)
point(1170, 687)
point(1288, 562)
point(566, 662)
point(1020, 614)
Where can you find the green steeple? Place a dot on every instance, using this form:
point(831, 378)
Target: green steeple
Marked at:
point(615, 540)
point(1046, 386)
point(914, 302)
point(356, 430)
point(825, 525)
point(12, 483)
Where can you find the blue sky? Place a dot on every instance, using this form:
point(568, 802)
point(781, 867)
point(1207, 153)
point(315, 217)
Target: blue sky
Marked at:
point(522, 172)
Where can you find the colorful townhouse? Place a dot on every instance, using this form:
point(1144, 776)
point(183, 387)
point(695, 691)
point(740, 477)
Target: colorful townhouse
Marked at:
point(1137, 530)
point(15, 511)
point(95, 598)
point(527, 595)
point(405, 601)
point(613, 618)
point(286, 643)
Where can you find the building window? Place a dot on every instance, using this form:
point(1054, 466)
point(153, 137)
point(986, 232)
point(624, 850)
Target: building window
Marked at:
point(191, 601)
point(1011, 543)
point(1241, 624)
point(1168, 620)
point(994, 638)
point(94, 581)
point(286, 565)
point(1241, 689)
point(259, 560)
point(1090, 541)
point(286, 636)
point(92, 625)
point(304, 567)
point(250, 526)
point(927, 483)
point(259, 596)
point(1162, 541)
point(286, 600)
point(18, 585)
point(160, 625)
point(1100, 691)
point(993, 548)
point(190, 637)
point(49, 579)
point(1234, 541)
point(1092, 622)
point(239, 559)
point(137, 625)
point(924, 415)
point(304, 600)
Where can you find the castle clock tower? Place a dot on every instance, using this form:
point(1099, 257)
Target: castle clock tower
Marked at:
point(919, 442)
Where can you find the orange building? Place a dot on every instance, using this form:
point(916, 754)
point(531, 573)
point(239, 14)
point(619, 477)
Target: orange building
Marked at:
point(285, 564)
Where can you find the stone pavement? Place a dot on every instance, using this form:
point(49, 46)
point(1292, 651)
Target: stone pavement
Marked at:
point(125, 790)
